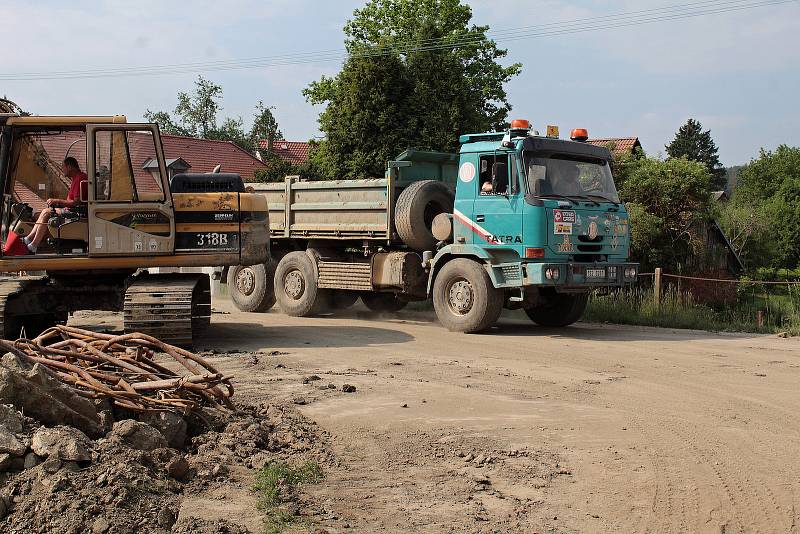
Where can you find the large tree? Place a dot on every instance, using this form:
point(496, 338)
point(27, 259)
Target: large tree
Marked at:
point(418, 74)
point(669, 204)
point(694, 144)
point(196, 115)
point(766, 208)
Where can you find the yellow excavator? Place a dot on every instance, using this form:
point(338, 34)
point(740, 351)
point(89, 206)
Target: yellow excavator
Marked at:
point(133, 221)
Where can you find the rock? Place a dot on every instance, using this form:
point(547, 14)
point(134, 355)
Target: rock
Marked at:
point(137, 435)
point(32, 460)
point(5, 461)
point(171, 425)
point(62, 443)
point(100, 525)
point(3, 508)
point(165, 518)
point(51, 466)
point(312, 378)
point(34, 391)
point(300, 401)
point(10, 418)
point(178, 467)
point(10, 444)
point(469, 457)
point(480, 459)
point(348, 388)
point(783, 335)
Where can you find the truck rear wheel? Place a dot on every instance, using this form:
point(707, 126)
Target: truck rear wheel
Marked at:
point(464, 298)
point(417, 206)
point(252, 287)
point(296, 287)
point(383, 302)
point(559, 310)
point(341, 299)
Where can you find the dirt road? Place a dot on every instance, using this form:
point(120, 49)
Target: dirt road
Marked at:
point(594, 428)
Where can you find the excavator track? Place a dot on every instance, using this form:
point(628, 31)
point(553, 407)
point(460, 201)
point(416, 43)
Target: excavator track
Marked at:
point(18, 307)
point(174, 308)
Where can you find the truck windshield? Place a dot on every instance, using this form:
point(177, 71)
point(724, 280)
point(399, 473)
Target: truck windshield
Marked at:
point(557, 176)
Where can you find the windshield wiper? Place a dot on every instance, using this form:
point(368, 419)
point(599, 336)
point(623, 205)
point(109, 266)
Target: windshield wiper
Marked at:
point(605, 199)
point(587, 197)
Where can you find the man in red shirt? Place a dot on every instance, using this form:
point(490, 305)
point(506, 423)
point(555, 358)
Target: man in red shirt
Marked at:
point(73, 171)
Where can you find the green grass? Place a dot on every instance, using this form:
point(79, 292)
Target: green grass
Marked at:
point(273, 484)
point(678, 310)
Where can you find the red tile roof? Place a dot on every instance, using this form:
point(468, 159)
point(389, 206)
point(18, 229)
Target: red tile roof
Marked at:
point(294, 152)
point(618, 145)
point(205, 154)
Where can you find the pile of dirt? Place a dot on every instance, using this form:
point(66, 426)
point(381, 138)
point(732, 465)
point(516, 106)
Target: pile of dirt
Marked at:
point(124, 472)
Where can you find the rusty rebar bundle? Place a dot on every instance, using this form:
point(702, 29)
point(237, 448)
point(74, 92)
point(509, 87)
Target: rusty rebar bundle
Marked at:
point(123, 369)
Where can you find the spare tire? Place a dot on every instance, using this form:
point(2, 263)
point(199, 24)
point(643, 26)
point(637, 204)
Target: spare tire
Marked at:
point(417, 206)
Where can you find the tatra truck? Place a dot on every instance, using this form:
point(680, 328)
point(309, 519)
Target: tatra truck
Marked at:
point(515, 220)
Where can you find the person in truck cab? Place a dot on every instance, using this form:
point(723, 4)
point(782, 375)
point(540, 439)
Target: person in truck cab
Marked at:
point(59, 206)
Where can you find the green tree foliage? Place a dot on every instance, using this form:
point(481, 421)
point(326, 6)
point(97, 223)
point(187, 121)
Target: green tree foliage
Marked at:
point(669, 203)
point(692, 143)
point(769, 188)
point(196, 115)
point(390, 95)
point(278, 169)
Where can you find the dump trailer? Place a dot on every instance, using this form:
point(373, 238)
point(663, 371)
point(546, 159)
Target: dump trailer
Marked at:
point(515, 220)
point(131, 217)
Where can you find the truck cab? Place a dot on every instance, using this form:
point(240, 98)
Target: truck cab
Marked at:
point(542, 217)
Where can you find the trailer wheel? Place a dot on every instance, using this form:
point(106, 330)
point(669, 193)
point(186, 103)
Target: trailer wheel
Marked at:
point(296, 288)
point(383, 302)
point(341, 299)
point(252, 287)
point(464, 298)
point(559, 310)
point(417, 206)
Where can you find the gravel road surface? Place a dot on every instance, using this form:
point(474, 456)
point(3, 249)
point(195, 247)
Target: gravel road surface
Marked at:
point(592, 428)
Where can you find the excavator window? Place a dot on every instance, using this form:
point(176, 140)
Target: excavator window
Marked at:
point(122, 170)
point(36, 163)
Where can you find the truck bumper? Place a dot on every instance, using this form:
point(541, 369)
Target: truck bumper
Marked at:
point(565, 275)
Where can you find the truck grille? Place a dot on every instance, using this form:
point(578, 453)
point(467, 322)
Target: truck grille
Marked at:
point(342, 275)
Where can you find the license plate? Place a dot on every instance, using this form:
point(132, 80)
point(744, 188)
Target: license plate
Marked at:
point(595, 273)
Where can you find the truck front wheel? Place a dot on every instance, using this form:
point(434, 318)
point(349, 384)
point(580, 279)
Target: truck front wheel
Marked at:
point(464, 298)
point(559, 310)
point(252, 287)
point(296, 286)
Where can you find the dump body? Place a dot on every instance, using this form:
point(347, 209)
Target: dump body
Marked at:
point(351, 209)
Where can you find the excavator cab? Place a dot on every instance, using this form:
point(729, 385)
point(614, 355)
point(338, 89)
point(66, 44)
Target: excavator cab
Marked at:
point(124, 208)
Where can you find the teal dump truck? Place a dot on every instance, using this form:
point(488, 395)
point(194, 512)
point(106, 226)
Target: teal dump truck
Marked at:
point(515, 220)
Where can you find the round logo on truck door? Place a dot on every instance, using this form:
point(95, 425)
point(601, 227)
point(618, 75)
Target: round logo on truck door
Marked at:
point(467, 172)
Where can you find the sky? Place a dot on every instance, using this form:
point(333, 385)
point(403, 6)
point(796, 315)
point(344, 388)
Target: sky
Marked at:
point(738, 73)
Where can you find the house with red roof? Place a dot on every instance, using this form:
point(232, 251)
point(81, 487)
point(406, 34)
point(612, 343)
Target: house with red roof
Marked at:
point(618, 145)
point(294, 152)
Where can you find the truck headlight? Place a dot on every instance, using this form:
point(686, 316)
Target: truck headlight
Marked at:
point(630, 272)
point(552, 273)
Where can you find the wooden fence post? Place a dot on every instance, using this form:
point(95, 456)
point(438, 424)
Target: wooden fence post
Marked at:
point(657, 286)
